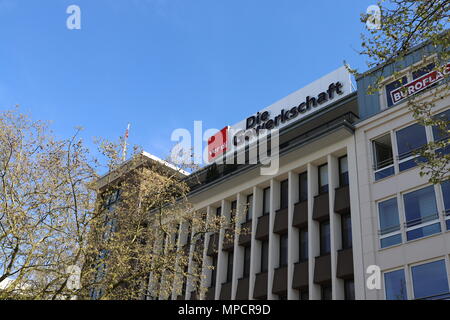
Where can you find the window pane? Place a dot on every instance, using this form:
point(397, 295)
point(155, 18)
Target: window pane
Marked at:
point(284, 185)
point(343, 171)
point(438, 133)
point(304, 294)
point(420, 206)
point(429, 279)
point(326, 292)
point(388, 212)
point(218, 211)
point(423, 232)
point(230, 267)
point(303, 181)
point(391, 241)
point(383, 158)
point(395, 285)
point(266, 203)
point(323, 178)
point(283, 250)
point(213, 272)
point(409, 139)
point(264, 256)
point(303, 244)
point(346, 223)
point(249, 207)
point(233, 209)
point(422, 71)
point(246, 262)
point(325, 246)
point(349, 289)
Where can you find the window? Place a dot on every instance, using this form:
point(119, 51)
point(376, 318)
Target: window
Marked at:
point(283, 250)
point(264, 256)
point(349, 289)
point(395, 285)
point(233, 212)
point(429, 279)
point(390, 233)
point(304, 294)
point(439, 134)
point(323, 178)
point(422, 71)
point(303, 247)
point(247, 252)
point(421, 213)
point(303, 186)
point(410, 140)
point(392, 86)
point(233, 208)
point(266, 201)
point(326, 292)
point(284, 185)
point(249, 213)
point(346, 224)
point(230, 266)
point(214, 271)
point(343, 171)
point(446, 194)
point(218, 211)
point(383, 159)
point(325, 245)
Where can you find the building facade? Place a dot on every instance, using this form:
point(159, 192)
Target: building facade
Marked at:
point(347, 196)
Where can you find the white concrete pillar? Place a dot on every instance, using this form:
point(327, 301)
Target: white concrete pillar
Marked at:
point(293, 234)
point(255, 256)
point(313, 231)
point(358, 265)
point(337, 285)
point(222, 256)
point(274, 239)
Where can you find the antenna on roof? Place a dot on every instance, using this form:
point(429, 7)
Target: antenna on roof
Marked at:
point(125, 140)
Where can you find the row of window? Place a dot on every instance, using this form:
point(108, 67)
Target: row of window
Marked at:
point(409, 141)
point(303, 187)
point(429, 281)
point(420, 213)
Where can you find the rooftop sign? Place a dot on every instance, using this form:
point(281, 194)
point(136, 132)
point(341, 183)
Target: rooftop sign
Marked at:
point(310, 99)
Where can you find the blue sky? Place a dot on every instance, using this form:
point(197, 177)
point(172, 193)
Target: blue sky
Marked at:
point(161, 64)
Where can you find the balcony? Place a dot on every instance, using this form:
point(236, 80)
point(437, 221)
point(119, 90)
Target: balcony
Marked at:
point(342, 200)
point(280, 280)
point(300, 218)
point(301, 275)
point(225, 291)
point(260, 290)
point(345, 264)
point(245, 237)
point(321, 209)
point(280, 225)
point(228, 240)
point(243, 288)
point(213, 244)
point(322, 269)
point(262, 228)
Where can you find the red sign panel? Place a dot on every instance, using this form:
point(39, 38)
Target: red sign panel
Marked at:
point(418, 84)
point(218, 144)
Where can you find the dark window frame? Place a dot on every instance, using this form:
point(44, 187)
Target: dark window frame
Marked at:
point(343, 176)
point(284, 194)
point(266, 211)
point(347, 237)
point(283, 254)
point(324, 250)
point(301, 192)
point(323, 188)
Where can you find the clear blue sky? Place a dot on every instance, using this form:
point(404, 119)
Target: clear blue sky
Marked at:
point(161, 64)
